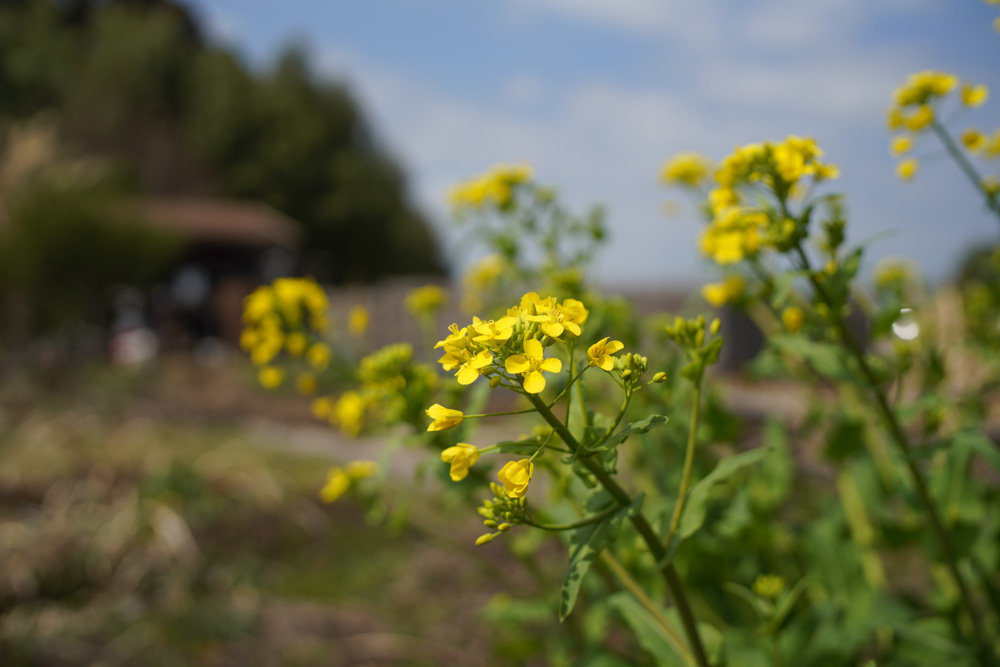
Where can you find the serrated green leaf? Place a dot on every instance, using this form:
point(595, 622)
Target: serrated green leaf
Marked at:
point(587, 542)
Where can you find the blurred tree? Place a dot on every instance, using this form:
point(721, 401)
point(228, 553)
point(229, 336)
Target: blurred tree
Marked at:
point(133, 80)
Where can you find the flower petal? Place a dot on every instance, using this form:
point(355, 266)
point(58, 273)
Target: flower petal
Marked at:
point(517, 363)
point(533, 349)
point(534, 383)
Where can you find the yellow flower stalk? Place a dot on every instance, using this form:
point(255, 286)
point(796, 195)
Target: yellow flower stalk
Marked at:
point(531, 364)
point(599, 354)
point(461, 457)
point(515, 477)
point(444, 418)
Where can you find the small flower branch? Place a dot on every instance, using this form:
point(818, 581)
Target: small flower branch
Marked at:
point(966, 166)
point(903, 445)
point(675, 519)
point(641, 525)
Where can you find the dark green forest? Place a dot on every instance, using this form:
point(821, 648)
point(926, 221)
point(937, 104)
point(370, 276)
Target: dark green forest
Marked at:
point(137, 84)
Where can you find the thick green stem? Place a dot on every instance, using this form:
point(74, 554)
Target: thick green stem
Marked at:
point(903, 445)
point(675, 520)
point(966, 166)
point(641, 525)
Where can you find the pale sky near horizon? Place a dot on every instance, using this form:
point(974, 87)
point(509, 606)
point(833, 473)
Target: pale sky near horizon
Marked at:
point(597, 94)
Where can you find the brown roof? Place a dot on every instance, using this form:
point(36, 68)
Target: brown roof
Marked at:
point(220, 220)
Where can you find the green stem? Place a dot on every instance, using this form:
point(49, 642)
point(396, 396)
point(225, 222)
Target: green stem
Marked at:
point(903, 445)
point(618, 420)
point(635, 589)
point(966, 166)
point(500, 414)
point(577, 524)
point(675, 520)
point(641, 525)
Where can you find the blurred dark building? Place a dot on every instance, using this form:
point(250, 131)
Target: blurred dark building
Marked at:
point(228, 248)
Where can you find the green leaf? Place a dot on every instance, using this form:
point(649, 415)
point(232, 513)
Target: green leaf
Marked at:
point(979, 444)
point(823, 357)
point(643, 426)
point(694, 509)
point(650, 633)
point(587, 542)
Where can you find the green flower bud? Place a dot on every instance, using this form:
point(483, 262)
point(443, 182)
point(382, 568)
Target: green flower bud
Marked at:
point(489, 523)
point(713, 328)
point(503, 527)
point(485, 539)
point(494, 382)
point(660, 377)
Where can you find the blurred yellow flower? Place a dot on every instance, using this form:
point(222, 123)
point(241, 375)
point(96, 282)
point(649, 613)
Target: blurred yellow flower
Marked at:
point(306, 384)
point(793, 318)
point(900, 145)
point(719, 294)
point(769, 586)
point(426, 300)
point(318, 356)
point(687, 169)
point(974, 140)
point(974, 96)
point(461, 457)
point(358, 320)
point(270, 377)
point(337, 484)
point(361, 469)
point(907, 169)
point(515, 477)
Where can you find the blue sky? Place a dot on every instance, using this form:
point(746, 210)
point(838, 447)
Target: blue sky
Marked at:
point(597, 94)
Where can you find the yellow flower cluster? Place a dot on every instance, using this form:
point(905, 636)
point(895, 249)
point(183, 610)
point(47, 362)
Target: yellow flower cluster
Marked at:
point(386, 377)
point(513, 346)
point(494, 188)
point(340, 480)
point(479, 278)
point(914, 110)
point(286, 316)
point(738, 231)
point(686, 169)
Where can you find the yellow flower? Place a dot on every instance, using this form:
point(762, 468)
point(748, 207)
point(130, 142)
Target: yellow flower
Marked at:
point(991, 184)
point(426, 300)
point(270, 377)
point(907, 169)
point(444, 418)
point(493, 332)
point(793, 318)
point(258, 304)
point(337, 484)
point(974, 96)
point(361, 469)
point(470, 371)
point(922, 87)
point(268, 346)
point(306, 384)
point(531, 364)
point(318, 356)
point(323, 407)
point(687, 169)
point(296, 343)
point(349, 412)
point(515, 477)
point(461, 457)
point(920, 118)
point(769, 586)
point(719, 294)
point(357, 321)
point(900, 145)
point(599, 354)
point(974, 140)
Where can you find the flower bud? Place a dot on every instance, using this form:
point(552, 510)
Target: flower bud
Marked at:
point(713, 328)
point(485, 539)
point(503, 527)
point(494, 382)
point(489, 523)
point(660, 377)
